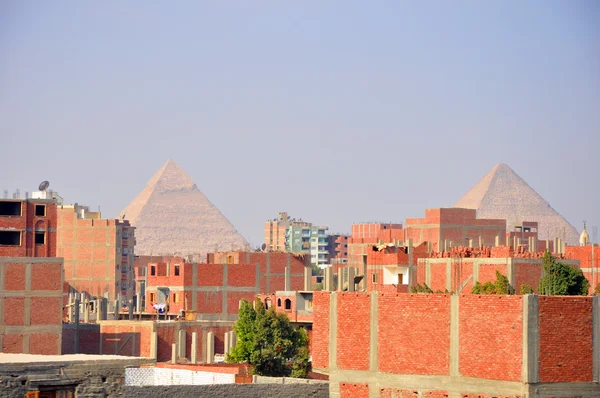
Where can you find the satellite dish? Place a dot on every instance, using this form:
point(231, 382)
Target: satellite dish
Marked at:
point(44, 185)
point(263, 247)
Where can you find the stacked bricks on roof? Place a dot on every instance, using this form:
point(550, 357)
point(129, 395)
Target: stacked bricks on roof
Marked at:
point(496, 353)
point(565, 325)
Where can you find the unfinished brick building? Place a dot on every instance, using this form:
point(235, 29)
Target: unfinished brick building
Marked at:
point(98, 253)
point(31, 281)
point(408, 345)
point(214, 290)
point(455, 227)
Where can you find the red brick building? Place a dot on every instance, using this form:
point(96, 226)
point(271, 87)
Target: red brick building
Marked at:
point(98, 253)
point(407, 345)
point(214, 290)
point(31, 278)
point(454, 226)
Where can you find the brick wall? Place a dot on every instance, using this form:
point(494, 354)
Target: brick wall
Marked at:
point(31, 310)
point(491, 336)
point(354, 390)
point(414, 334)
point(353, 326)
point(320, 333)
point(565, 339)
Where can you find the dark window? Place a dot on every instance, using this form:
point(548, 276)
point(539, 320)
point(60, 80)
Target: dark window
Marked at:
point(10, 209)
point(40, 210)
point(40, 238)
point(177, 270)
point(288, 304)
point(152, 270)
point(385, 227)
point(279, 302)
point(10, 238)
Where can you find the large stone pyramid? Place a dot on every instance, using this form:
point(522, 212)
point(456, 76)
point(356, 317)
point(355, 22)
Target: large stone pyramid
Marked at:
point(503, 194)
point(172, 217)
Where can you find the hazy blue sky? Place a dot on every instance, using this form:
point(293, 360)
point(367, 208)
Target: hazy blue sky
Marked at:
point(337, 112)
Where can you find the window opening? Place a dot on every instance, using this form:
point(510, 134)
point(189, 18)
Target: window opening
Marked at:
point(40, 238)
point(10, 209)
point(153, 270)
point(288, 304)
point(40, 210)
point(10, 238)
point(176, 269)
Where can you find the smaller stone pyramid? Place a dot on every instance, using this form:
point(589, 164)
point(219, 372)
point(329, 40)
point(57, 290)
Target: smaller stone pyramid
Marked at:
point(503, 194)
point(172, 217)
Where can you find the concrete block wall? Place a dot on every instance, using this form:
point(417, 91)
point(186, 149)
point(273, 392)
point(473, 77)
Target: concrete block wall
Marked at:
point(496, 345)
point(31, 305)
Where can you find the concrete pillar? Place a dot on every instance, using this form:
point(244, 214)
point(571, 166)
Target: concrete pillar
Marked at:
point(409, 248)
point(174, 353)
point(233, 338)
point(480, 241)
point(333, 331)
point(138, 302)
point(130, 309)
point(210, 347)
point(194, 348)
point(104, 309)
point(340, 280)
point(446, 245)
point(287, 278)
point(555, 246)
point(181, 344)
point(471, 243)
point(226, 342)
point(531, 339)
point(351, 285)
point(329, 279)
point(116, 310)
point(497, 241)
point(76, 321)
point(429, 247)
point(515, 243)
point(373, 328)
point(308, 279)
point(454, 337)
point(154, 345)
point(86, 311)
point(508, 241)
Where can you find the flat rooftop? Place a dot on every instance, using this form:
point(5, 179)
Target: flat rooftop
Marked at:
point(30, 360)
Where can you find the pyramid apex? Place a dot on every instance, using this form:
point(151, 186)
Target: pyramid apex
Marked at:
point(170, 177)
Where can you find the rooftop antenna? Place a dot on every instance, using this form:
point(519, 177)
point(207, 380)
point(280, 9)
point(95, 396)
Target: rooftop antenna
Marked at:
point(6, 194)
point(44, 185)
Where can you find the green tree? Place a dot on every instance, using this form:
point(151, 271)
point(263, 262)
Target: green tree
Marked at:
point(318, 287)
point(562, 280)
point(268, 341)
point(421, 289)
point(526, 289)
point(500, 286)
point(598, 289)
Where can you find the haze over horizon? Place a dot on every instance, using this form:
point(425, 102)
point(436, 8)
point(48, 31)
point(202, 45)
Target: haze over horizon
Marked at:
point(336, 113)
